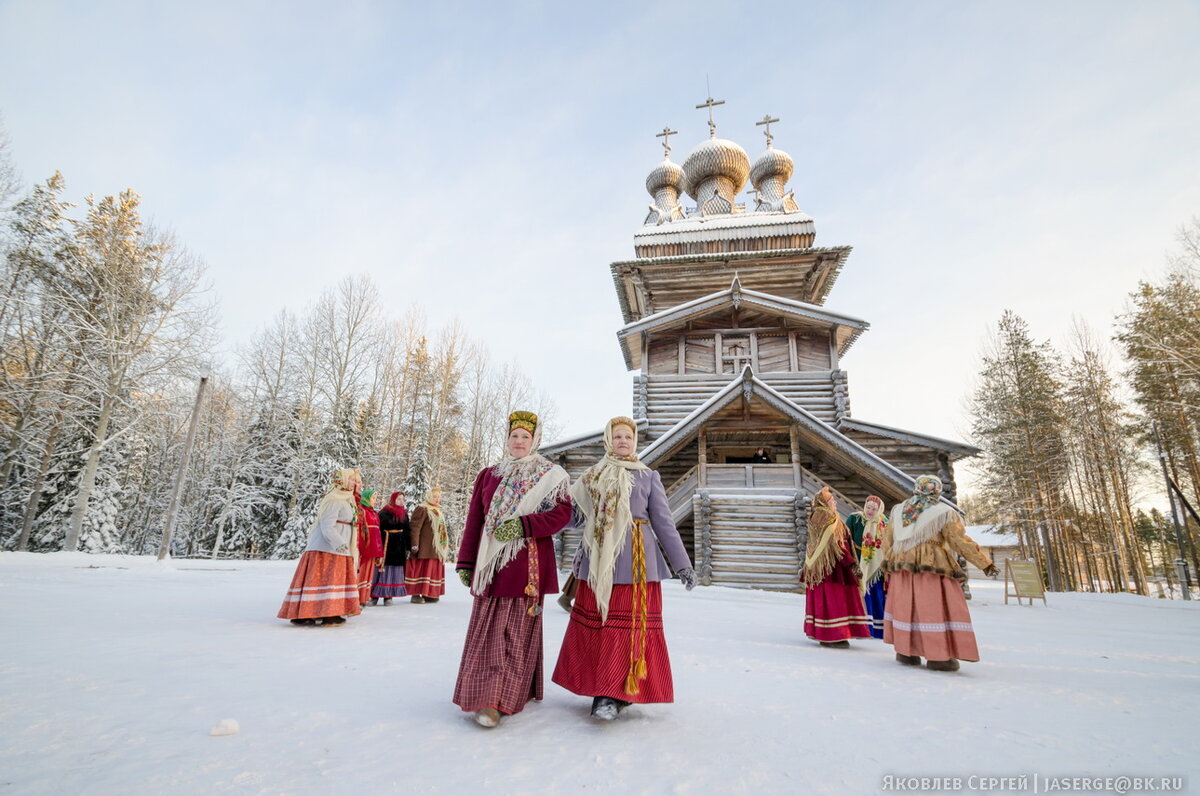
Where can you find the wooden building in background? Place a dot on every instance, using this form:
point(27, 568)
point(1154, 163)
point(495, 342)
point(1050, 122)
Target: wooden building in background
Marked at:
point(734, 350)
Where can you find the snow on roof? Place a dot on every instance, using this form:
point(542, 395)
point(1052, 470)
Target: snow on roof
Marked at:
point(990, 536)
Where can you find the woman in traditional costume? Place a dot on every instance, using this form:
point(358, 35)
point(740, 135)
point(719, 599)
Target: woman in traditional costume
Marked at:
point(425, 572)
point(394, 526)
point(833, 605)
point(507, 560)
point(926, 613)
point(614, 649)
point(325, 586)
point(370, 545)
point(866, 529)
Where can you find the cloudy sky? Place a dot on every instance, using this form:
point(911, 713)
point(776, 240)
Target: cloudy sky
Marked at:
point(486, 161)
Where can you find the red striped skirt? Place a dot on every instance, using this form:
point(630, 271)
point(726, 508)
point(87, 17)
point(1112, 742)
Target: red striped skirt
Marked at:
point(324, 585)
point(834, 612)
point(425, 576)
point(366, 574)
point(594, 659)
point(501, 663)
point(926, 615)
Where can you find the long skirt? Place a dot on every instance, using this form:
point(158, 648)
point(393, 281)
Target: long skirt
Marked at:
point(501, 664)
point(833, 611)
point(927, 616)
point(389, 582)
point(325, 584)
point(874, 600)
point(366, 574)
point(594, 659)
point(425, 576)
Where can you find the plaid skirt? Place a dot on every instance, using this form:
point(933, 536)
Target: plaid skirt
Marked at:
point(594, 659)
point(501, 663)
point(927, 616)
point(324, 585)
point(366, 574)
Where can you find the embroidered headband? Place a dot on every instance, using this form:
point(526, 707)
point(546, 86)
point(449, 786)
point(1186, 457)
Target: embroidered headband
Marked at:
point(525, 420)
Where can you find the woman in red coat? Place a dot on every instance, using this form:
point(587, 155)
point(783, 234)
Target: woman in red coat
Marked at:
point(370, 545)
point(507, 560)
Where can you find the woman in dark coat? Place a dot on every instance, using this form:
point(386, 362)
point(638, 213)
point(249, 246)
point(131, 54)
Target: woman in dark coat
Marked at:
point(394, 525)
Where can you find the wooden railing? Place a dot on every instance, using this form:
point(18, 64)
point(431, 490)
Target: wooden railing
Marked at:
point(749, 476)
point(679, 494)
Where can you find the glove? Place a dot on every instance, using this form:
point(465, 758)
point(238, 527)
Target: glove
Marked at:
point(991, 570)
point(688, 578)
point(465, 575)
point(509, 530)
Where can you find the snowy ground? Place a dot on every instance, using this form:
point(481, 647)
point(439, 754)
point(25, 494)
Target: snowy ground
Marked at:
point(113, 670)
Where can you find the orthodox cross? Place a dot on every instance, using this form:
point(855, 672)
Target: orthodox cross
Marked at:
point(710, 103)
point(665, 135)
point(768, 121)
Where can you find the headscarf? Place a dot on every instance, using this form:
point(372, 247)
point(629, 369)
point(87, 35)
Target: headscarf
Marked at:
point(365, 497)
point(602, 497)
point(827, 538)
point(398, 511)
point(871, 559)
point(441, 536)
point(922, 516)
point(529, 485)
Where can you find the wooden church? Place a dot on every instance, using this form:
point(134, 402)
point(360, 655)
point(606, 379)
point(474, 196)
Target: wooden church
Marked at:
point(741, 400)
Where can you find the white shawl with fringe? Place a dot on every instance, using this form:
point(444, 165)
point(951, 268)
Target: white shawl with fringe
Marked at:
point(926, 526)
point(543, 496)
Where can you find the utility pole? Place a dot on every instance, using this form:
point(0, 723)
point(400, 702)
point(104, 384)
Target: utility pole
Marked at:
point(164, 549)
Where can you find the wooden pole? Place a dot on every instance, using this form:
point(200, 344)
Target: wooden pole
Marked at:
point(164, 549)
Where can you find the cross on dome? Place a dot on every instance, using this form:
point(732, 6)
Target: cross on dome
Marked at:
point(768, 121)
point(665, 135)
point(710, 103)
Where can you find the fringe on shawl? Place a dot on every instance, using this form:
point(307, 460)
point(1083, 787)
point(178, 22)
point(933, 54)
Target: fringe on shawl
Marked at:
point(530, 504)
point(825, 548)
point(928, 525)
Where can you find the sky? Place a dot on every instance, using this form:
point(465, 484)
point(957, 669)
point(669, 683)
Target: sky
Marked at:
point(487, 161)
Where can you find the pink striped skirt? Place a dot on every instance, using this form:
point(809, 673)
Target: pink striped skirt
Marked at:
point(926, 615)
point(594, 659)
point(324, 585)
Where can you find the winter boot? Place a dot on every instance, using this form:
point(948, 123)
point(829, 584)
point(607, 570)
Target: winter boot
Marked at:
point(387, 600)
point(418, 599)
point(330, 621)
point(841, 645)
point(605, 708)
point(942, 666)
point(908, 660)
point(488, 717)
point(304, 621)
point(432, 599)
point(375, 601)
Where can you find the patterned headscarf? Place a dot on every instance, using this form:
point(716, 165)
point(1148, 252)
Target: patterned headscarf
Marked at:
point(365, 497)
point(926, 492)
point(871, 559)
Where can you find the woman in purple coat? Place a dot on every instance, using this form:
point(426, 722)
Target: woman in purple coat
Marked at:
point(614, 649)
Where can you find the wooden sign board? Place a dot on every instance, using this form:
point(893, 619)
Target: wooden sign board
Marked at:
point(1025, 579)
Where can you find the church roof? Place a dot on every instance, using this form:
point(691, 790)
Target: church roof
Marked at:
point(586, 438)
point(651, 284)
point(839, 450)
point(957, 450)
point(846, 328)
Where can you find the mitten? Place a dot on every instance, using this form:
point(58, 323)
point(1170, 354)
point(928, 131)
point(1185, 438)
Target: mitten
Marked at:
point(509, 530)
point(688, 577)
point(465, 575)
